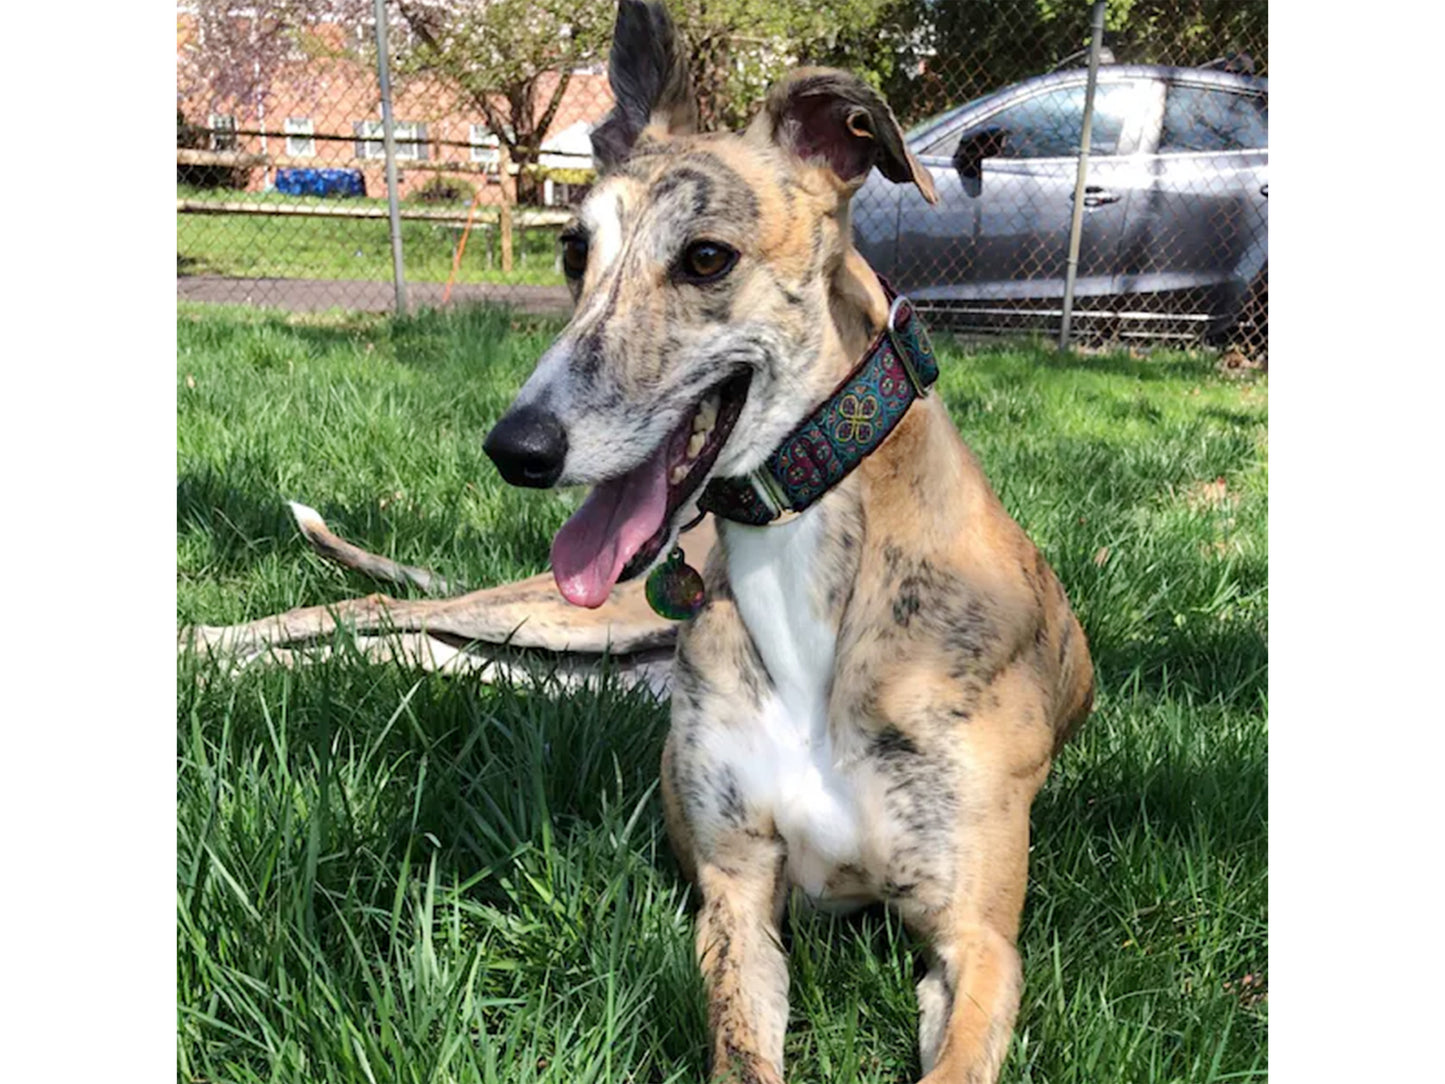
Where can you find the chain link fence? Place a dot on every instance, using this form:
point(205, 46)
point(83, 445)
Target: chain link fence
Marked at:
point(281, 152)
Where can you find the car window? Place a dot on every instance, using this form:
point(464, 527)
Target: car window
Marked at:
point(1051, 125)
point(1213, 119)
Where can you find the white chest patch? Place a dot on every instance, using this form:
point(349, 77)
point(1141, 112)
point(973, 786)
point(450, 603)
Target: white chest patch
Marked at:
point(785, 762)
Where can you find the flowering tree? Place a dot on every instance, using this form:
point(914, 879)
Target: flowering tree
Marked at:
point(512, 59)
point(739, 48)
point(228, 55)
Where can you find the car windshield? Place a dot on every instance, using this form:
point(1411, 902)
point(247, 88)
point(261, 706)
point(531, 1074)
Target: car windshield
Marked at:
point(923, 127)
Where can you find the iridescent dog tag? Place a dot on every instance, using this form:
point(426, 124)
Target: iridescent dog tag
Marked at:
point(675, 589)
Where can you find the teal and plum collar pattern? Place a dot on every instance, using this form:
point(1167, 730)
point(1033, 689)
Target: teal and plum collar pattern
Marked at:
point(854, 421)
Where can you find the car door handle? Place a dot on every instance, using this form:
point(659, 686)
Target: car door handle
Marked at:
point(1095, 196)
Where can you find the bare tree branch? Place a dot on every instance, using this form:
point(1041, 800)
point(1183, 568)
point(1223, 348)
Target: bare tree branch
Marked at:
point(544, 125)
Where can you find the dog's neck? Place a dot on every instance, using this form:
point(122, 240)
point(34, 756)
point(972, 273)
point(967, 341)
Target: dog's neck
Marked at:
point(856, 378)
point(857, 311)
point(775, 571)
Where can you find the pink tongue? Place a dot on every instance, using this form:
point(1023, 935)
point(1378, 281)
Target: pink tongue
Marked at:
point(594, 546)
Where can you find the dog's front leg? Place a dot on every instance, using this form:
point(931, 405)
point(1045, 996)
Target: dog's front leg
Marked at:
point(725, 842)
point(967, 1003)
point(970, 996)
point(737, 865)
point(744, 969)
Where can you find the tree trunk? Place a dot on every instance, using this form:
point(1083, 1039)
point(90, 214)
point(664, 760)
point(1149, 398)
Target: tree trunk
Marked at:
point(509, 197)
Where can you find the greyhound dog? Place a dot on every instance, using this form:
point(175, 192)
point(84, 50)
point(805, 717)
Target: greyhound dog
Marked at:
point(883, 666)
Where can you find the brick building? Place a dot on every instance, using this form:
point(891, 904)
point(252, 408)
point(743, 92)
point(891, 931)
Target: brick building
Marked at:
point(324, 112)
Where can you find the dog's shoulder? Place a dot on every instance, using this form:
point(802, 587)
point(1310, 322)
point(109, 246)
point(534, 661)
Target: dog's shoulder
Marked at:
point(956, 585)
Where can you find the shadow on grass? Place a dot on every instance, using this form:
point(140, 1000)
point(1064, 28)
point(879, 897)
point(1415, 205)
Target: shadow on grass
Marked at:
point(507, 769)
point(241, 525)
point(502, 787)
point(1231, 417)
point(1214, 661)
point(1158, 366)
point(532, 802)
point(1226, 663)
point(490, 772)
point(1220, 802)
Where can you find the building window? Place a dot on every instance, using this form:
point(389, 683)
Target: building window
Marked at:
point(223, 131)
point(483, 146)
point(368, 139)
point(401, 39)
point(410, 138)
point(299, 137)
point(371, 140)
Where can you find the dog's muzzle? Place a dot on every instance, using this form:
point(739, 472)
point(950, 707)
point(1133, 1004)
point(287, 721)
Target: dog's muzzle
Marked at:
point(529, 447)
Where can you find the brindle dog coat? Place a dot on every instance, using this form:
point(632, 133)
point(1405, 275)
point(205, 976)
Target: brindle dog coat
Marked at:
point(872, 694)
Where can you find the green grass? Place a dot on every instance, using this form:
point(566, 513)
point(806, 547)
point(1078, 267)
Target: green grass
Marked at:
point(267, 246)
point(395, 877)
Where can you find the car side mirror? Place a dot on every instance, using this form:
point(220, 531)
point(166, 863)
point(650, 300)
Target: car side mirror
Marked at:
point(975, 147)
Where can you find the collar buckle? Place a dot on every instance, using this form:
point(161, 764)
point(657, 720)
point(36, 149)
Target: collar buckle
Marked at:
point(768, 490)
point(900, 346)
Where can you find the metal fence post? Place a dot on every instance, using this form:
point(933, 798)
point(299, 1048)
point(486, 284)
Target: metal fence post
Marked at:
point(1076, 224)
point(388, 132)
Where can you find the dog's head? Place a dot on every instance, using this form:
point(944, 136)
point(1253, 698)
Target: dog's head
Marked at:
point(718, 299)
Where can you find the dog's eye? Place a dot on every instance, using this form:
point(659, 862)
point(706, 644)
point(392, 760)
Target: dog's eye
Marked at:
point(707, 261)
point(574, 256)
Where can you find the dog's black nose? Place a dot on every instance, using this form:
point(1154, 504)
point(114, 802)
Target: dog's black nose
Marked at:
point(528, 446)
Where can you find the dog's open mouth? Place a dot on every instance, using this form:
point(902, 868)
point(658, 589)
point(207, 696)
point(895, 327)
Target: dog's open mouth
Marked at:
point(622, 525)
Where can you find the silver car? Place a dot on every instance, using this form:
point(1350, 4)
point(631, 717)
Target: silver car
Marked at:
point(1175, 235)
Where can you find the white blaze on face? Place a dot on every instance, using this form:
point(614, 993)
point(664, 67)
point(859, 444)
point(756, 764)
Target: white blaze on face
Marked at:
point(549, 383)
point(602, 218)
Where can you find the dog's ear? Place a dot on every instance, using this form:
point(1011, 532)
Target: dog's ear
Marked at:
point(821, 114)
point(650, 79)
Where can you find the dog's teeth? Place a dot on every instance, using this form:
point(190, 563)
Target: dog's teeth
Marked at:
point(695, 443)
point(706, 414)
point(679, 472)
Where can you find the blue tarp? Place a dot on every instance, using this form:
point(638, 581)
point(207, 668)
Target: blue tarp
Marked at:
point(320, 182)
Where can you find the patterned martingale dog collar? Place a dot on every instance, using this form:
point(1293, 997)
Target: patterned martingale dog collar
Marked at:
point(898, 368)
